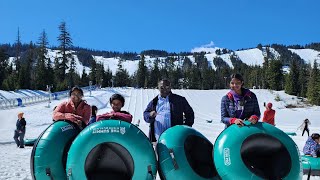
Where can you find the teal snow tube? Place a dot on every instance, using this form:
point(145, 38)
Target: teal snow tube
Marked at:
point(184, 153)
point(30, 142)
point(111, 149)
point(311, 165)
point(259, 151)
point(49, 153)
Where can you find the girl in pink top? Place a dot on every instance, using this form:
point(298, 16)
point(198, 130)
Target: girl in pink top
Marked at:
point(75, 110)
point(116, 102)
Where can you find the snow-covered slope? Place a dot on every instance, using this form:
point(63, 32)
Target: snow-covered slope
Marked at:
point(15, 162)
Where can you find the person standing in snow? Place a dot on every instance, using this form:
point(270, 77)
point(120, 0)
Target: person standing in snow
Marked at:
point(166, 110)
point(312, 146)
point(20, 130)
point(305, 126)
point(239, 104)
point(117, 102)
point(268, 115)
point(75, 110)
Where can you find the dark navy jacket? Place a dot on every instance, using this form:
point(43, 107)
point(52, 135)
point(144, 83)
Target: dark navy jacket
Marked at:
point(178, 106)
point(228, 108)
point(21, 125)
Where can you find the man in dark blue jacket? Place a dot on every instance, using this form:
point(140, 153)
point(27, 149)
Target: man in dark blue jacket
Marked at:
point(20, 131)
point(167, 110)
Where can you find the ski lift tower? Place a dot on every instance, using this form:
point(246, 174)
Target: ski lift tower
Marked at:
point(49, 91)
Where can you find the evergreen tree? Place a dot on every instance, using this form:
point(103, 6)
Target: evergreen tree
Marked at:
point(292, 80)
point(122, 76)
point(274, 75)
point(141, 73)
point(84, 78)
point(303, 79)
point(313, 92)
point(93, 72)
point(107, 78)
point(24, 79)
point(18, 52)
point(64, 48)
point(3, 66)
point(154, 75)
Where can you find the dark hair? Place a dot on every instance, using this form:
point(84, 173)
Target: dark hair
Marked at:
point(75, 88)
point(117, 97)
point(93, 110)
point(315, 136)
point(236, 76)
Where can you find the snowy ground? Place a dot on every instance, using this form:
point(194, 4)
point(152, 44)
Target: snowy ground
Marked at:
point(15, 163)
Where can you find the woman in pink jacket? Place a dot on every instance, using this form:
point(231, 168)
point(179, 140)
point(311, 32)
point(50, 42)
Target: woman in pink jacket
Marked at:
point(116, 102)
point(75, 110)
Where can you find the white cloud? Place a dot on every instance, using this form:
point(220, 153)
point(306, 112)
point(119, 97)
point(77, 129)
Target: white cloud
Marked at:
point(209, 48)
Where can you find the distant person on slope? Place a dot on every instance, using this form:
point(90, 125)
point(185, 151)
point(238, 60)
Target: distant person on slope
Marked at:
point(305, 126)
point(75, 110)
point(20, 130)
point(312, 146)
point(116, 102)
point(239, 104)
point(268, 115)
point(166, 110)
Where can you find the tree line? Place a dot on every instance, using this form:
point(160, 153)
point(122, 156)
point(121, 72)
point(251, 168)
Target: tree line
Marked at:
point(31, 68)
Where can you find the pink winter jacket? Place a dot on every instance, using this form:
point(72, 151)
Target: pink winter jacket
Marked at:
point(67, 110)
point(122, 115)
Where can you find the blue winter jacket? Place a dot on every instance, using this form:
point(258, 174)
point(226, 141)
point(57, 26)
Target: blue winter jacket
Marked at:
point(228, 108)
point(310, 148)
point(178, 106)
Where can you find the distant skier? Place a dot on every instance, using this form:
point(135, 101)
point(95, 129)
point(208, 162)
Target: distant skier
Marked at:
point(269, 114)
point(75, 110)
point(305, 126)
point(239, 104)
point(20, 130)
point(117, 102)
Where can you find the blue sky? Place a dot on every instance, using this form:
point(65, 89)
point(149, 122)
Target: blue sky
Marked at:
point(171, 25)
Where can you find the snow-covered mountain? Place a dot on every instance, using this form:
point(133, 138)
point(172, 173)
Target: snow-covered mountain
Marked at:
point(252, 56)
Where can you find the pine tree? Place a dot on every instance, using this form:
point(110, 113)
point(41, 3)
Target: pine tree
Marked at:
point(292, 80)
point(154, 75)
point(18, 52)
point(93, 72)
point(3, 66)
point(84, 78)
point(313, 92)
point(122, 76)
point(275, 76)
point(141, 74)
point(64, 48)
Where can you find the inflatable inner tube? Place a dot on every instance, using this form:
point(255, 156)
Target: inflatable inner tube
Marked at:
point(311, 165)
point(49, 153)
point(269, 160)
point(109, 160)
point(185, 153)
point(259, 151)
point(30, 142)
point(111, 149)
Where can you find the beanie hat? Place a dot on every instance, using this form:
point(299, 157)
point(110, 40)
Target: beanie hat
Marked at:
point(117, 97)
point(269, 105)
